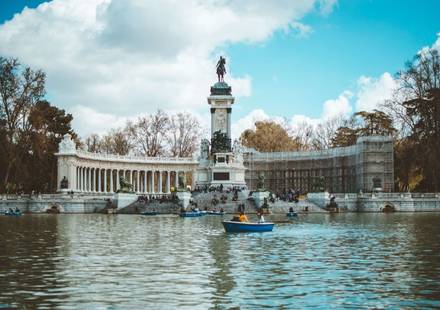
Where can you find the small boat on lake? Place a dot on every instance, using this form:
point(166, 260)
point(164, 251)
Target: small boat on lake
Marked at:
point(13, 213)
point(191, 214)
point(149, 213)
point(233, 226)
point(215, 212)
point(292, 214)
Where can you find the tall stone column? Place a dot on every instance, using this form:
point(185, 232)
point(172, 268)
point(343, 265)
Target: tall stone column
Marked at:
point(168, 182)
point(89, 179)
point(176, 180)
point(99, 180)
point(117, 179)
point(111, 180)
point(92, 179)
point(145, 181)
point(160, 182)
point(138, 183)
point(105, 180)
point(151, 181)
point(83, 176)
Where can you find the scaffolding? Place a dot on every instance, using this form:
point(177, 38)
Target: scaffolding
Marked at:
point(344, 169)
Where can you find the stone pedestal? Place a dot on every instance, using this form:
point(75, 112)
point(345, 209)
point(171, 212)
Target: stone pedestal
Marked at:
point(259, 196)
point(184, 198)
point(321, 199)
point(121, 200)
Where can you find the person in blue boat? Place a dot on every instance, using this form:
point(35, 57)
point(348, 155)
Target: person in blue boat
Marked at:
point(260, 216)
point(243, 218)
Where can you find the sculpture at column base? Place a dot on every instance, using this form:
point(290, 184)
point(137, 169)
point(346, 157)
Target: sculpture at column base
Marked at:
point(181, 185)
point(125, 186)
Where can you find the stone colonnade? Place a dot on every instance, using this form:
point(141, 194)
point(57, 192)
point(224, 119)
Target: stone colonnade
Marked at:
point(104, 180)
point(100, 173)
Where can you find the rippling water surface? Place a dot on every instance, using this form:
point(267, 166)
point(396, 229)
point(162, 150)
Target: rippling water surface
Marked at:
point(93, 261)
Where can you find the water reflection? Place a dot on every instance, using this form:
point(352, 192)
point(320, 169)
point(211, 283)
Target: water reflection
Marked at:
point(132, 262)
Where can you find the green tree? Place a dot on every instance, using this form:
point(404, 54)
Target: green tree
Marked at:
point(416, 108)
point(20, 89)
point(48, 126)
point(363, 123)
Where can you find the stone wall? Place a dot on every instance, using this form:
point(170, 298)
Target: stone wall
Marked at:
point(380, 202)
point(65, 204)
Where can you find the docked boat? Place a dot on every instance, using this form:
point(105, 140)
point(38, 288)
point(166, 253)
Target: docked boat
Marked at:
point(292, 214)
point(149, 213)
point(191, 214)
point(233, 226)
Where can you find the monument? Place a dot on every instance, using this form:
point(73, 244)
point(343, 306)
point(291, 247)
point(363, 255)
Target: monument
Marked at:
point(220, 163)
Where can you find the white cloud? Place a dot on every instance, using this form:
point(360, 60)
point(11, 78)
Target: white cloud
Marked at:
point(248, 121)
point(338, 107)
point(126, 57)
point(372, 92)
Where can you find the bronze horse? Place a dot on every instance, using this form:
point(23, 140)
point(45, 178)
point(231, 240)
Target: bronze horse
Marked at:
point(221, 70)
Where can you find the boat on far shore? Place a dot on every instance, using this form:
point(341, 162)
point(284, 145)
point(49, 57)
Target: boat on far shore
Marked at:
point(149, 213)
point(192, 214)
point(13, 213)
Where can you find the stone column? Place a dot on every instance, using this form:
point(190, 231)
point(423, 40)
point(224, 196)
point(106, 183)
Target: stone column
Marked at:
point(153, 190)
point(167, 189)
point(89, 179)
point(176, 179)
point(92, 179)
point(99, 180)
point(160, 182)
point(105, 180)
point(83, 175)
point(145, 181)
point(111, 180)
point(132, 177)
point(138, 184)
point(117, 179)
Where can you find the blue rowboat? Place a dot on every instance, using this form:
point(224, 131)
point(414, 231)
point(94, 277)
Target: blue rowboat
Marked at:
point(191, 214)
point(149, 213)
point(292, 214)
point(232, 226)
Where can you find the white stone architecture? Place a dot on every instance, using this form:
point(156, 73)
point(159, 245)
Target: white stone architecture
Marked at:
point(92, 173)
point(219, 163)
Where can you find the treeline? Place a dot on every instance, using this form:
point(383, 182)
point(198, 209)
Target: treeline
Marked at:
point(158, 134)
point(30, 130)
point(412, 117)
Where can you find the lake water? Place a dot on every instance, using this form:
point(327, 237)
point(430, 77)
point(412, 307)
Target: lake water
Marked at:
point(351, 261)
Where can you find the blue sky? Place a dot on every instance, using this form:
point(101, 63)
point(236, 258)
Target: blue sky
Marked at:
point(357, 38)
point(281, 71)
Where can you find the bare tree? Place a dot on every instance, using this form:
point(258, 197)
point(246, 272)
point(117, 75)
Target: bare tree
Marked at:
point(148, 134)
point(117, 141)
point(325, 132)
point(93, 143)
point(303, 133)
point(183, 135)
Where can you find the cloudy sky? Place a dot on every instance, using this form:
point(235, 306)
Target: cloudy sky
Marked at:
point(304, 60)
